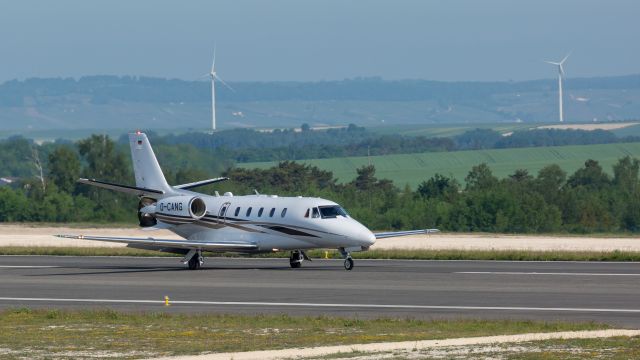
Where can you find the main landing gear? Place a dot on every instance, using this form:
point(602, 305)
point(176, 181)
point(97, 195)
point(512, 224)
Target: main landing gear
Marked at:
point(348, 261)
point(296, 258)
point(193, 259)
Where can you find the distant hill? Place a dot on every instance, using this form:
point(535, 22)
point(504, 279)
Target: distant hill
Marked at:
point(112, 102)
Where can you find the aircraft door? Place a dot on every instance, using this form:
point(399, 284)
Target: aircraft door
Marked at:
point(222, 213)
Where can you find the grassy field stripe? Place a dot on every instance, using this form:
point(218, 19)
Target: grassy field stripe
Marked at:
point(409, 168)
point(329, 305)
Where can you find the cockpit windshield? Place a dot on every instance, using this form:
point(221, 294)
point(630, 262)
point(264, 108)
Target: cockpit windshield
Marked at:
point(332, 211)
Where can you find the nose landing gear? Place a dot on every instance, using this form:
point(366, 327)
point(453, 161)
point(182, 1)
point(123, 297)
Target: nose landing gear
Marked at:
point(348, 261)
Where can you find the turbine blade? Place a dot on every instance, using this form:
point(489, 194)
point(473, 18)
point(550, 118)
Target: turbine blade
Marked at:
point(224, 83)
point(213, 63)
point(552, 63)
point(565, 58)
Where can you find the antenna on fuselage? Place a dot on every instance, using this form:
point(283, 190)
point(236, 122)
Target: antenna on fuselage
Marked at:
point(256, 191)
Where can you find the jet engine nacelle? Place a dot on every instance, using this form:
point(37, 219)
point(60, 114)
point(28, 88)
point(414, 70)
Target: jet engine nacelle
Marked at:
point(182, 206)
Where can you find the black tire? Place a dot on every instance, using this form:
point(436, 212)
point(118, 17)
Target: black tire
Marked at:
point(194, 263)
point(348, 263)
point(295, 260)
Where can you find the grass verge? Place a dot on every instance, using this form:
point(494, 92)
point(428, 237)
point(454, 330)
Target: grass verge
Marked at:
point(512, 255)
point(106, 333)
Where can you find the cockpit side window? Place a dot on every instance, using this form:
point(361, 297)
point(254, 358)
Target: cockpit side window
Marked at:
point(316, 213)
point(307, 213)
point(332, 211)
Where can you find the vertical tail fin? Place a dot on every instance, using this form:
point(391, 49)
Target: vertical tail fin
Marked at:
point(145, 165)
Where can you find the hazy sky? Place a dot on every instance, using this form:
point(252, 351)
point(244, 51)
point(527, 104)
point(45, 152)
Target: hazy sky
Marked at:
point(319, 40)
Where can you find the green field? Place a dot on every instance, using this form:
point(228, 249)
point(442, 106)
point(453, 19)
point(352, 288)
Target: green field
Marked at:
point(414, 168)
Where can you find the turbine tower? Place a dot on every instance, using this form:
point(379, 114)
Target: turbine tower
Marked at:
point(560, 76)
point(214, 76)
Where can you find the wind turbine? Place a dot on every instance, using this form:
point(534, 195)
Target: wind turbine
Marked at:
point(214, 76)
point(560, 76)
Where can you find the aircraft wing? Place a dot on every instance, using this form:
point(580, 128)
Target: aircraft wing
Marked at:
point(200, 183)
point(389, 234)
point(180, 244)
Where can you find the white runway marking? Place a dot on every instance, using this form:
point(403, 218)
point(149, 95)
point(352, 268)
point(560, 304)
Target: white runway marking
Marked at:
point(28, 266)
point(324, 305)
point(543, 273)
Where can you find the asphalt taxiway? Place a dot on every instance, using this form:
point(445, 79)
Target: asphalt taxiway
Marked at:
point(572, 291)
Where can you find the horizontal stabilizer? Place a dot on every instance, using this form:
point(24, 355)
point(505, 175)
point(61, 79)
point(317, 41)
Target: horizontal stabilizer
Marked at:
point(122, 188)
point(404, 233)
point(182, 244)
point(200, 183)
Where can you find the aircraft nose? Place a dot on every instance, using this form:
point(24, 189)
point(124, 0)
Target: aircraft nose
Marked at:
point(370, 239)
point(366, 238)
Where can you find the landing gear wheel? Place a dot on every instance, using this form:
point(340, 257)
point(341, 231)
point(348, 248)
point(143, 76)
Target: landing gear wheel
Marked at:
point(195, 262)
point(295, 261)
point(348, 263)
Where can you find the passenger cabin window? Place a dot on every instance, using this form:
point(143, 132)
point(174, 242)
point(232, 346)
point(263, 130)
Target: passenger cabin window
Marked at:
point(328, 212)
point(316, 213)
point(273, 211)
point(237, 211)
point(260, 212)
point(249, 211)
point(284, 212)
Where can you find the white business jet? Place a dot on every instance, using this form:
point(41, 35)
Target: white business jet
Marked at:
point(247, 224)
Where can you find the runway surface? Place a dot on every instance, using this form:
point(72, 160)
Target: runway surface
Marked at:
point(573, 291)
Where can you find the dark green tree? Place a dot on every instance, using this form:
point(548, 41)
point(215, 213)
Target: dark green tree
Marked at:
point(521, 176)
point(480, 178)
point(591, 175)
point(366, 179)
point(104, 160)
point(64, 168)
point(439, 186)
point(625, 174)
